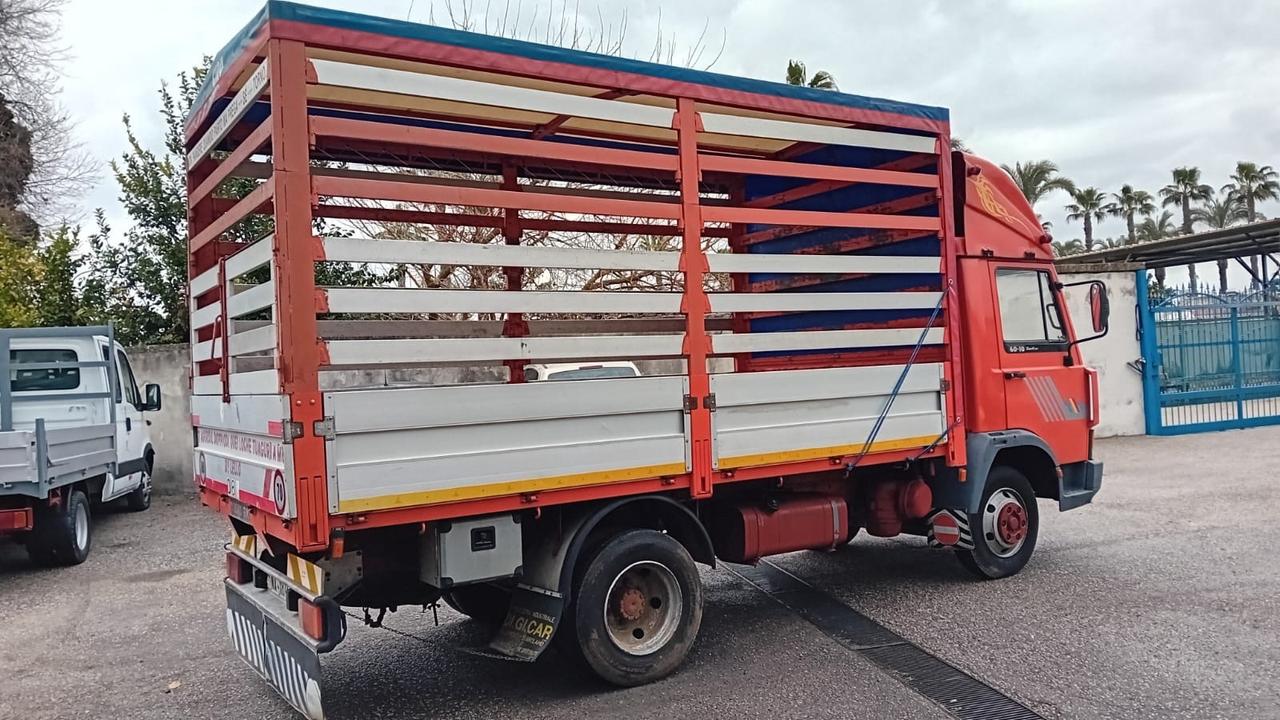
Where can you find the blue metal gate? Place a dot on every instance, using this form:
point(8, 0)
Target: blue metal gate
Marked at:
point(1210, 362)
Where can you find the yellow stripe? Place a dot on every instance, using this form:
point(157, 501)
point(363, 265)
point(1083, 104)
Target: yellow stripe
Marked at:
point(515, 487)
point(306, 574)
point(246, 544)
point(824, 452)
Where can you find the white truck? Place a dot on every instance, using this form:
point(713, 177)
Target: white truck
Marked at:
point(72, 434)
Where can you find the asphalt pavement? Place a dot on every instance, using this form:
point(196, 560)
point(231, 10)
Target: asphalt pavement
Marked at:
point(1160, 600)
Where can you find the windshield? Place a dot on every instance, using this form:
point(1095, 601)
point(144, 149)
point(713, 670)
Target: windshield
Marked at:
point(590, 373)
point(42, 378)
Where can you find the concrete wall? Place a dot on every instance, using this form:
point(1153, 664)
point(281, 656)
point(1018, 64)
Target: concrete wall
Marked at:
point(1120, 386)
point(171, 426)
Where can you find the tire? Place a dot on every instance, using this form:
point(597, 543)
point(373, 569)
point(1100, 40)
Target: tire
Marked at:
point(636, 609)
point(1005, 528)
point(483, 603)
point(62, 535)
point(140, 498)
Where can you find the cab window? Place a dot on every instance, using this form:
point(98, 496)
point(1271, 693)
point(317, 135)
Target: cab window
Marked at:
point(1030, 318)
point(38, 379)
point(127, 382)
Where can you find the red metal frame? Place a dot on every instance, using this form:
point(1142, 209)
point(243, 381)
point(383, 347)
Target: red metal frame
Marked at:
point(292, 191)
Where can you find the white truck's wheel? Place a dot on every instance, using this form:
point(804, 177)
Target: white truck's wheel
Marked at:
point(62, 535)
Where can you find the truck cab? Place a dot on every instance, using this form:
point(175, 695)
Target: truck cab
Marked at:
point(72, 435)
point(1027, 385)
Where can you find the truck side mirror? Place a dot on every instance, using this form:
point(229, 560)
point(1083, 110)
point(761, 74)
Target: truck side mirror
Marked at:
point(152, 392)
point(1099, 307)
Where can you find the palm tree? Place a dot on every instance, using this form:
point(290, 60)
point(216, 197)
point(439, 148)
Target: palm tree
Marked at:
point(1253, 184)
point(1129, 203)
point(1090, 204)
point(1185, 189)
point(1069, 247)
point(797, 74)
point(1113, 243)
point(958, 144)
point(1219, 214)
point(1038, 178)
point(1151, 229)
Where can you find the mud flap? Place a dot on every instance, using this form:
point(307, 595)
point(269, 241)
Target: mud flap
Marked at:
point(531, 622)
point(288, 663)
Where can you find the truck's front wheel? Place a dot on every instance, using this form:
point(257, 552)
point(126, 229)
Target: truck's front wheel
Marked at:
point(637, 608)
point(1005, 528)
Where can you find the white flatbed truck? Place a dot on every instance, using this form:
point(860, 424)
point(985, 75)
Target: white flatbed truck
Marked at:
point(72, 434)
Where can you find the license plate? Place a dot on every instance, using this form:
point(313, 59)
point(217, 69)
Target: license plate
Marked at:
point(277, 586)
point(240, 511)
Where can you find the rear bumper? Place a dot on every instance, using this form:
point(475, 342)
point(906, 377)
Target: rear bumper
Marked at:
point(1080, 481)
point(267, 634)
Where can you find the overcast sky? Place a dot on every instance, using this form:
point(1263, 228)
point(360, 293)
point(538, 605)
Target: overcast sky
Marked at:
point(1114, 92)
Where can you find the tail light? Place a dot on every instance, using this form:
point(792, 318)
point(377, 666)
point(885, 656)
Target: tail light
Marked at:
point(239, 571)
point(312, 617)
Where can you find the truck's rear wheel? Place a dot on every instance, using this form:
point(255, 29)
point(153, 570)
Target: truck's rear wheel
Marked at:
point(62, 534)
point(484, 603)
point(636, 608)
point(1005, 528)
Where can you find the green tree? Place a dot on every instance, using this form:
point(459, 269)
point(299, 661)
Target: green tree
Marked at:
point(1090, 205)
point(1186, 189)
point(20, 275)
point(1038, 178)
point(1218, 214)
point(1253, 184)
point(61, 302)
point(1153, 228)
point(1063, 248)
point(1128, 204)
point(797, 74)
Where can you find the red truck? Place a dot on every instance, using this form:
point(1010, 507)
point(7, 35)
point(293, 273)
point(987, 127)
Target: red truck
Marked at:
point(839, 325)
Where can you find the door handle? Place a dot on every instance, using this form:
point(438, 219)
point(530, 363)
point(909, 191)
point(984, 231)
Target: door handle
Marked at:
point(128, 425)
point(1013, 374)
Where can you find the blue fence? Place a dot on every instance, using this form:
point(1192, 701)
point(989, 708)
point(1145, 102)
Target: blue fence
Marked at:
point(1210, 361)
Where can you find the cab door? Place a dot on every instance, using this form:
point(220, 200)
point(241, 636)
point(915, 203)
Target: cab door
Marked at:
point(1047, 390)
point(129, 429)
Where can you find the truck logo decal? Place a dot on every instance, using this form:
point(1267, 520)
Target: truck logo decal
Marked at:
point(1050, 401)
point(990, 201)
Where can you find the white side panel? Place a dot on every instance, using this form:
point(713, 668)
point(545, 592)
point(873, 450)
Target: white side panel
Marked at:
point(377, 352)
point(404, 82)
point(823, 339)
point(17, 458)
point(769, 417)
point(805, 132)
point(241, 453)
point(258, 382)
point(256, 297)
point(206, 315)
point(461, 253)
point(401, 300)
point(412, 446)
point(820, 264)
point(799, 302)
point(250, 258)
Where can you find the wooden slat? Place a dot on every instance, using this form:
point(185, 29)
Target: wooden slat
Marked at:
point(258, 382)
point(824, 134)
point(822, 340)
point(782, 168)
point(801, 302)
point(767, 216)
point(251, 257)
point(493, 255)
point(380, 352)
point(821, 264)
point(206, 315)
point(256, 297)
point(404, 82)
point(402, 300)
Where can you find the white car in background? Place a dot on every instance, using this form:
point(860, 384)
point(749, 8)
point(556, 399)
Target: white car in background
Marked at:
point(72, 434)
point(580, 371)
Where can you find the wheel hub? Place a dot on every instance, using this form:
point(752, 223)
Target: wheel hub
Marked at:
point(643, 608)
point(1011, 523)
point(1005, 523)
